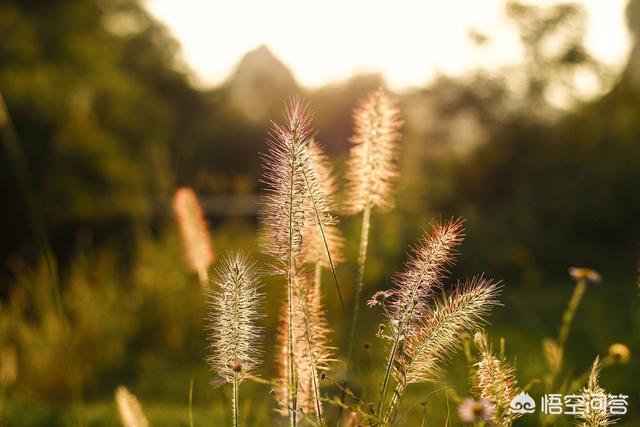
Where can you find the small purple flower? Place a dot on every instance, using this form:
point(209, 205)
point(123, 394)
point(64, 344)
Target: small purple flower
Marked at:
point(471, 410)
point(378, 298)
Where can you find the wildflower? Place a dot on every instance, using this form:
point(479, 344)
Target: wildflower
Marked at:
point(378, 298)
point(580, 273)
point(619, 354)
point(471, 410)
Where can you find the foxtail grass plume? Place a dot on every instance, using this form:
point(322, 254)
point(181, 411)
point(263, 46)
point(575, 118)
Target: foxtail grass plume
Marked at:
point(371, 175)
point(372, 167)
point(194, 232)
point(595, 400)
point(419, 353)
point(496, 382)
point(129, 408)
point(294, 194)
point(424, 274)
point(285, 208)
point(425, 323)
point(233, 314)
point(437, 336)
point(234, 311)
point(313, 353)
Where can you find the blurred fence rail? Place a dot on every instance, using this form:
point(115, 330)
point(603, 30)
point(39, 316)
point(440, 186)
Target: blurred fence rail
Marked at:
point(221, 205)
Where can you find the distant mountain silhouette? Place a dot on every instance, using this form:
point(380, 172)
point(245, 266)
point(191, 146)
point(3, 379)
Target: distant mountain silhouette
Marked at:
point(632, 72)
point(259, 84)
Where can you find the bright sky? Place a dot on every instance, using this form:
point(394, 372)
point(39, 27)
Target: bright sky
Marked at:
point(408, 41)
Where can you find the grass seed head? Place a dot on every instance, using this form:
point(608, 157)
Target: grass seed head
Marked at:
point(234, 309)
point(194, 232)
point(372, 168)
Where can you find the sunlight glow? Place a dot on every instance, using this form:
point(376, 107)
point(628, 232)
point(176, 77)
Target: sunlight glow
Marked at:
point(410, 42)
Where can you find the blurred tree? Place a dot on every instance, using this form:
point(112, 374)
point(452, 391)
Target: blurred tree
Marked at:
point(555, 58)
point(98, 100)
point(541, 186)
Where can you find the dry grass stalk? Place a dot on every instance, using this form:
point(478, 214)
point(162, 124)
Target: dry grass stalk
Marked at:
point(433, 340)
point(425, 323)
point(294, 195)
point(194, 232)
point(371, 175)
point(413, 288)
point(129, 408)
point(284, 214)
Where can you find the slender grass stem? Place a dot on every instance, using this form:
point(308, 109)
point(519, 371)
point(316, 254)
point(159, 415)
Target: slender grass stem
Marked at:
point(310, 347)
point(569, 314)
point(567, 320)
point(191, 403)
point(293, 386)
point(235, 399)
point(396, 402)
point(387, 374)
point(324, 240)
point(394, 350)
point(362, 259)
